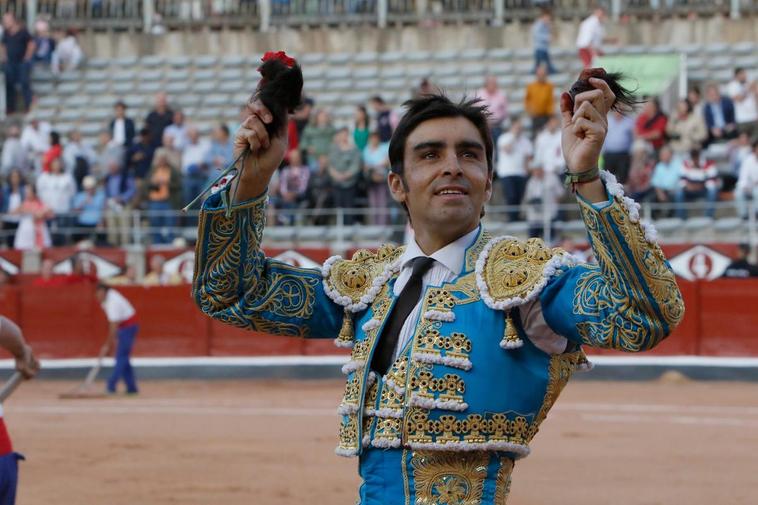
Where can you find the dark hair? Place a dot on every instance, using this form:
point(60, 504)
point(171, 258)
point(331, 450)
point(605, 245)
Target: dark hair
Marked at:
point(438, 106)
point(280, 90)
point(144, 132)
point(101, 286)
point(738, 70)
point(689, 105)
point(55, 138)
point(362, 108)
point(224, 128)
point(378, 99)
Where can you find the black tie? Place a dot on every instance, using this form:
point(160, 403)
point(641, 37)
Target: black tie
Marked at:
point(403, 307)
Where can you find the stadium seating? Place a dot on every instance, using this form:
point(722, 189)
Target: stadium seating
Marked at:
point(213, 86)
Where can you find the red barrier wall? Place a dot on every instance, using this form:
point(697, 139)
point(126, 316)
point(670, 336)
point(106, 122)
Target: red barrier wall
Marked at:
point(65, 322)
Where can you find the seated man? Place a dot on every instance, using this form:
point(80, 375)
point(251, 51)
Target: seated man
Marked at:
point(699, 179)
point(719, 115)
point(666, 176)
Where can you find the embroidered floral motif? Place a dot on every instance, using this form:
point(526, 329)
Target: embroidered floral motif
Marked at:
point(449, 479)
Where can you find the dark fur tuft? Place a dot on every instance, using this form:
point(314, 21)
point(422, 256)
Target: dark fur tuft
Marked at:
point(281, 91)
point(625, 101)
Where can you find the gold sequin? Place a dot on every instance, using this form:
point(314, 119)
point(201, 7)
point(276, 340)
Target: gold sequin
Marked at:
point(444, 478)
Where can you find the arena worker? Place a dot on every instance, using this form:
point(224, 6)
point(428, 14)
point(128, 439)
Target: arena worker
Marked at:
point(12, 340)
point(122, 332)
point(461, 341)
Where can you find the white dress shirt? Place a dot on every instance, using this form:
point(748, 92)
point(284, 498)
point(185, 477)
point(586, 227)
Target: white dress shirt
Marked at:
point(447, 266)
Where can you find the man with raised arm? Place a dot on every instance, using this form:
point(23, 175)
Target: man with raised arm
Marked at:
point(461, 341)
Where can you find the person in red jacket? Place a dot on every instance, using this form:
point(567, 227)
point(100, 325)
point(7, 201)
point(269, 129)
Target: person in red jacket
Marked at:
point(651, 124)
point(12, 340)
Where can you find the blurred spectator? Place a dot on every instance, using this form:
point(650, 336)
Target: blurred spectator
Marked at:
point(543, 193)
point(541, 38)
point(139, 156)
point(361, 128)
point(376, 166)
point(127, 276)
point(548, 153)
point(747, 183)
point(640, 184)
point(56, 190)
point(35, 137)
point(13, 196)
point(159, 119)
point(345, 170)
point(425, 87)
point(47, 277)
point(178, 131)
point(32, 232)
point(68, 55)
point(650, 125)
point(719, 115)
point(14, 153)
point(740, 267)
point(157, 275)
point(194, 170)
point(589, 39)
point(617, 148)
point(317, 137)
point(497, 105)
point(685, 130)
point(538, 100)
point(17, 53)
point(293, 185)
point(54, 152)
point(666, 175)
point(169, 149)
point(514, 150)
point(320, 192)
point(696, 100)
point(383, 117)
point(302, 115)
point(698, 180)
point(744, 94)
point(81, 271)
point(106, 151)
point(220, 152)
point(121, 127)
point(78, 157)
point(89, 204)
point(119, 193)
point(163, 193)
point(44, 44)
point(738, 151)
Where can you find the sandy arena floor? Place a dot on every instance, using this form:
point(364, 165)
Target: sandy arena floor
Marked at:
point(270, 442)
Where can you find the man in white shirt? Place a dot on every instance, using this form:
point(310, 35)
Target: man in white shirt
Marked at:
point(35, 137)
point(78, 151)
point(548, 153)
point(744, 95)
point(747, 183)
point(590, 37)
point(123, 327)
point(514, 150)
point(194, 169)
point(121, 128)
point(14, 155)
point(178, 130)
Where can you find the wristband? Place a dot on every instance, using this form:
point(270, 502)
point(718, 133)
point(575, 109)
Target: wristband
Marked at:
point(574, 179)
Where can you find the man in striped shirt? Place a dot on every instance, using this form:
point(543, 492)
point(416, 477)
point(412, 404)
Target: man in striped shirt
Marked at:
point(699, 179)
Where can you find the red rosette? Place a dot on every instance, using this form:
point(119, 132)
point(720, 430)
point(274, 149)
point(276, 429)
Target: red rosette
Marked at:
point(279, 55)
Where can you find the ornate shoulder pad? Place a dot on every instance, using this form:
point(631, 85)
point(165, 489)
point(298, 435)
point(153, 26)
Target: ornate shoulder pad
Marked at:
point(511, 272)
point(355, 283)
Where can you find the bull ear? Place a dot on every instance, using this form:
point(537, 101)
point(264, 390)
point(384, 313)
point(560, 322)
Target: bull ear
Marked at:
point(626, 101)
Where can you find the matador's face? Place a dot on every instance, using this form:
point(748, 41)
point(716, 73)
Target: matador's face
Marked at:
point(446, 181)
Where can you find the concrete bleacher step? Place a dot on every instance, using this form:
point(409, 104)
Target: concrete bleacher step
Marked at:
point(668, 225)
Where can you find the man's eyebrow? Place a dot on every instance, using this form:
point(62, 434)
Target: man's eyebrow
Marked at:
point(431, 144)
point(469, 144)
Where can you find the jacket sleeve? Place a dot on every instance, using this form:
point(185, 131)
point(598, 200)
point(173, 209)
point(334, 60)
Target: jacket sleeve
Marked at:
point(629, 301)
point(237, 284)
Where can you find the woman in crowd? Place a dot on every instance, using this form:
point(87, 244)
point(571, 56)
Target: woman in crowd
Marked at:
point(13, 196)
point(361, 130)
point(32, 230)
point(686, 130)
point(163, 192)
point(376, 166)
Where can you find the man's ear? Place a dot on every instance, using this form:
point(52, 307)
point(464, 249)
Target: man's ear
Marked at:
point(488, 187)
point(398, 189)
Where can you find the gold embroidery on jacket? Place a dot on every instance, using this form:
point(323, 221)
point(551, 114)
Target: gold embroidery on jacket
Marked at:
point(503, 481)
point(449, 479)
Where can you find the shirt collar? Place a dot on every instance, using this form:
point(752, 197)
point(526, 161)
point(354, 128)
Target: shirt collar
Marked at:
point(451, 256)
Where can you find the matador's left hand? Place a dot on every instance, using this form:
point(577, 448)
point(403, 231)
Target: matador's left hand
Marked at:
point(585, 125)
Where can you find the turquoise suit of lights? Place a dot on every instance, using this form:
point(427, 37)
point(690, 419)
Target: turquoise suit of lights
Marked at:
point(490, 353)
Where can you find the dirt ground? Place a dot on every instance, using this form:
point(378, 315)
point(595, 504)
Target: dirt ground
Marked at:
point(271, 442)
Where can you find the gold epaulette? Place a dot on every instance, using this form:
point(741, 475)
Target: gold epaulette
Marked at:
point(354, 283)
point(511, 272)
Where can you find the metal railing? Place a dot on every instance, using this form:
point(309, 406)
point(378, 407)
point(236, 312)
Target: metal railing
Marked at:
point(345, 228)
point(174, 14)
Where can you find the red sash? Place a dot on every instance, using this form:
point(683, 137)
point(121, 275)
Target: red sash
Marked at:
point(128, 322)
point(5, 440)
